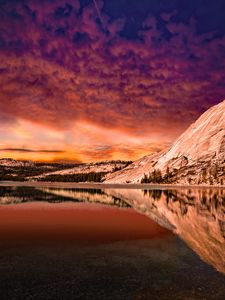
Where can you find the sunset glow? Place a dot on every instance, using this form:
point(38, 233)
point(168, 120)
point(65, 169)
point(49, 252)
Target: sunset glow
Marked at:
point(72, 90)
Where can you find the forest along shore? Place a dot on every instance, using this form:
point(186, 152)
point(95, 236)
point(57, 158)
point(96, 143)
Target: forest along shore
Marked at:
point(106, 185)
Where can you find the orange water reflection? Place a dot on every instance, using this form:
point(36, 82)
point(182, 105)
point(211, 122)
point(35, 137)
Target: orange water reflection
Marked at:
point(82, 222)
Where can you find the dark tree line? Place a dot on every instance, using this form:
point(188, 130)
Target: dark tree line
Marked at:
point(81, 177)
point(156, 177)
point(213, 175)
point(22, 173)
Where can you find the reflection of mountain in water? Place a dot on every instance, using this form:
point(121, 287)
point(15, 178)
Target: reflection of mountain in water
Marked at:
point(86, 195)
point(16, 195)
point(197, 216)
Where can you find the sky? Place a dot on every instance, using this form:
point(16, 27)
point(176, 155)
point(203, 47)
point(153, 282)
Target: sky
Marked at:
point(93, 80)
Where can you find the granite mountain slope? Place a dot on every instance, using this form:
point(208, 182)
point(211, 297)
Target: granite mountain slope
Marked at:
point(196, 157)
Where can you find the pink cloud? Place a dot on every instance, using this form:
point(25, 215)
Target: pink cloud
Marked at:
point(66, 69)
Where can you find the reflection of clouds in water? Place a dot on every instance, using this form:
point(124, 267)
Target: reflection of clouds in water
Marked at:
point(196, 215)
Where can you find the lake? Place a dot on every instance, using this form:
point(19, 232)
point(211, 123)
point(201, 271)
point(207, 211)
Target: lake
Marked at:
point(102, 242)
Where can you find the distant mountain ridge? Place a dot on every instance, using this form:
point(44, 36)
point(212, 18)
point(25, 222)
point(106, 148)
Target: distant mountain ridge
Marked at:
point(19, 170)
point(196, 157)
point(9, 162)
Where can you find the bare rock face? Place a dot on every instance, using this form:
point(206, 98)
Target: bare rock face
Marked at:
point(197, 156)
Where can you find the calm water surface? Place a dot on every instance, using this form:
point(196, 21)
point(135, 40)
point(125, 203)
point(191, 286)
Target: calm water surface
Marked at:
point(76, 243)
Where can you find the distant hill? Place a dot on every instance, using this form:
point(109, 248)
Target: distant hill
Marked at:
point(9, 162)
point(18, 170)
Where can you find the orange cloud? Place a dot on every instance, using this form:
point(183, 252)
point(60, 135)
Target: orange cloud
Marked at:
point(66, 83)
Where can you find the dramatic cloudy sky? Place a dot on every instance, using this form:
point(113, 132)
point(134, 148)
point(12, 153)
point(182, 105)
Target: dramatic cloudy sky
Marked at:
point(91, 80)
